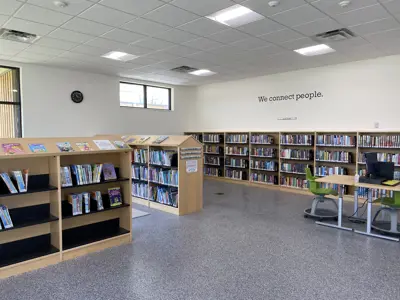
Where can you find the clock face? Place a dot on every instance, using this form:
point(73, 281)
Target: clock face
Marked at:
point(77, 96)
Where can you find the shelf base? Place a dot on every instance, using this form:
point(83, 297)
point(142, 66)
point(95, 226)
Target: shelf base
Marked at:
point(140, 201)
point(164, 208)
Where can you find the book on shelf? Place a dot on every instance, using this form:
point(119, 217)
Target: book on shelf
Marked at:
point(385, 157)
point(65, 147)
point(263, 139)
point(244, 151)
point(5, 217)
point(336, 140)
point(66, 176)
point(212, 171)
point(86, 202)
point(140, 156)
point(294, 168)
point(236, 174)
point(263, 178)
point(212, 160)
point(104, 144)
point(263, 165)
point(12, 148)
point(297, 139)
point(212, 138)
point(335, 156)
point(140, 172)
point(164, 158)
point(109, 172)
point(84, 146)
point(211, 149)
point(75, 200)
point(10, 185)
point(265, 152)
point(143, 139)
point(237, 138)
point(37, 148)
point(167, 177)
point(382, 141)
point(96, 196)
point(326, 170)
point(236, 162)
point(115, 196)
point(299, 154)
point(140, 190)
point(25, 174)
point(161, 139)
point(291, 181)
point(166, 196)
point(121, 145)
point(19, 179)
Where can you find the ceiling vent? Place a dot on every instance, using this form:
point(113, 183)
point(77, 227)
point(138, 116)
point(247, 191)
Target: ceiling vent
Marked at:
point(18, 36)
point(335, 35)
point(184, 69)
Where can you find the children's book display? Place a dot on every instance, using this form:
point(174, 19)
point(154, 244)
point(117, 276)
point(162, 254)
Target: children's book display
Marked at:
point(65, 147)
point(109, 172)
point(12, 149)
point(143, 139)
point(104, 144)
point(121, 145)
point(115, 196)
point(162, 158)
point(160, 139)
point(18, 179)
point(37, 148)
point(84, 146)
point(83, 174)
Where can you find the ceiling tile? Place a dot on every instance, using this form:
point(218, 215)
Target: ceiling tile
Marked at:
point(251, 43)
point(266, 51)
point(136, 50)
point(300, 43)
point(281, 36)
point(203, 44)
point(35, 57)
point(106, 44)
point(348, 45)
point(181, 50)
point(205, 57)
point(73, 7)
point(145, 27)
point(55, 43)
point(262, 6)
point(388, 37)
point(171, 15)
point(362, 15)
point(375, 26)
point(9, 7)
point(136, 7)
point(333, 8)
point(203, 27)
point(41, 15)
point(11, 48)
point(85, 49)
point(44, 50)
point(161, 55)
point(86, 26)
point(261, 27)
point(153, 43)
point(228, 36)
point(106, 15)
point(3, 19)
point(318, 26)
point(123, 36)
point(299, 15)
point(203, 7)
point(393, 6)
point(177, 36)
point(28, 26)
point(70, 36)
point(144, 61)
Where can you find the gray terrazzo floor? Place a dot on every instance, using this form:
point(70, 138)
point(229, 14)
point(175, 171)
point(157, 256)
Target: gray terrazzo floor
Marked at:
point(249, 243)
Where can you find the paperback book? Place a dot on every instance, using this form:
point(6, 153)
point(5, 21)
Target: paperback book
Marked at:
point(10, 185)
point(143, 139)
point(37, 148)
point(161, 139)
point(86, 202)
point(96, 196)
point(17, 175)
point(84, 146)
point(115, 196)
point(104, 144)
point(65, 147)
point(121, 145)
point(109, 172)
point(5, 217)
point(13, 148)
point(66, 178)
point(75, 200)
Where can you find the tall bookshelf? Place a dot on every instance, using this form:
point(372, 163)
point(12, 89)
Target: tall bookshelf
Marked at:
point(214, 150)
point(175, 173)
point(45, 231)
point(237, 155)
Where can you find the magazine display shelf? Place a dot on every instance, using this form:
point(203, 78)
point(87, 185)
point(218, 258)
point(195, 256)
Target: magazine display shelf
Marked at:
point(44, 231)
point(190, 184)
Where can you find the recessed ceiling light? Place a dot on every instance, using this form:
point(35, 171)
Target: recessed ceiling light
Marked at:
point(202, 72)
point(315, 50)
point(235, 16)
point(121, 56)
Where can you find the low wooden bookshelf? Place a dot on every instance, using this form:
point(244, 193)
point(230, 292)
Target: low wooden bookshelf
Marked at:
point(45, 232)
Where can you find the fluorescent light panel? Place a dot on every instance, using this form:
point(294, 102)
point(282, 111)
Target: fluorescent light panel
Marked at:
point(202, 72)
point(315, 50)
point(235, 16)
point(121, 56)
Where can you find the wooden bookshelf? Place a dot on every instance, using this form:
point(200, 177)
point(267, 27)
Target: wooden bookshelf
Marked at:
point(214, 154)
point(45, 232)
point(237, 153)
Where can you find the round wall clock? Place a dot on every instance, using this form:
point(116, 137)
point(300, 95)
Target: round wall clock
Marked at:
point(77, 96)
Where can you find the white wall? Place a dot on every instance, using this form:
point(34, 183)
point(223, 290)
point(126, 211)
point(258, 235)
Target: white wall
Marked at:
point(356, 95)
point(48, 110)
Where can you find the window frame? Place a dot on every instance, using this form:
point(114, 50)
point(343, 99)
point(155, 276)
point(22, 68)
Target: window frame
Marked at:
point(18, 102)
point(145, 86)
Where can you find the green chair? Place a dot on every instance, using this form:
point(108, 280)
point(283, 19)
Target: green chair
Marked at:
point(320, 197)
point(390, 205)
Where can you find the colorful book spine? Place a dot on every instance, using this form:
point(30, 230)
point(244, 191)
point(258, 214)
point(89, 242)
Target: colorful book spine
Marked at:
point(10, 185)
point(263, 165)
point(263, 178)
point(237, 138)
point(211, 138)
point(17, 175)
point(294, 168)
point(5, 217)
point(296, 154)
point(262, 139)
point(140, 190)
point(263, 152)
point(297, 139)
point(243, 151)
point(336, 140)
point(212, 160)
point(333, 156)
point(294, 182)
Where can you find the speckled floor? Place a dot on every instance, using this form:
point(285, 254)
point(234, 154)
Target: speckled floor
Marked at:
point(249, 243)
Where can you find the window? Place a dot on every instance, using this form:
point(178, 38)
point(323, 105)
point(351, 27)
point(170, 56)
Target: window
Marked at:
point(10, 103)
point(144, 96)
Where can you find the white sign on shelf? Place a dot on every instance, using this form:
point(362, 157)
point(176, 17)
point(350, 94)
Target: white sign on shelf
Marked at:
point(191, 166)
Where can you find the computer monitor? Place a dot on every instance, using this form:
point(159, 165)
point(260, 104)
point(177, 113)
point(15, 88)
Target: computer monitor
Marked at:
point(385, 170)
point(371, 158)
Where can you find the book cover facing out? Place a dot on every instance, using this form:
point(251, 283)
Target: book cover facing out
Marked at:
point(37, 148)
point(84, 146)
point(109, 172)
point(13, 148)
point(104, 144)
point(115, 196)
point(121, 145)
point(65, 147)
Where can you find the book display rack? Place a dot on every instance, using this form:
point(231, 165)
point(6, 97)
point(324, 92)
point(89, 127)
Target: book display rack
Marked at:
point(61, 198)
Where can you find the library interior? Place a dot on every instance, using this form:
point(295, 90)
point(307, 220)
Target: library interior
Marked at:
point(199, 149)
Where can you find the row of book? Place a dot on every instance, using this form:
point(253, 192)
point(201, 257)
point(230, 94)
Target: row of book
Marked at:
point(236, 174)
point(236, 162)
point(237, 138)
point(325, 171)
point(263, 139)
point(212, 160)
point(386, 141)
point(333, 187)
point(140, 156)
point(197, 137)
point(265, 152)
point(162, 158)
point(213, 149)
point(264, 178)
point(336, 140)
point(166, 196)
point(297, 139)
point(210, 171)
point(294, 168)
point(20, 178)
point(363, 193)
point(294, 182)
point(168, 177)
point(237, 151)
point(297, 154)
point(86, 174)
point(5, 218)
point(336, 156)
point(386, 157)
point(140, 172)
point(212, 138)
point(140, 190)
point(264, 165)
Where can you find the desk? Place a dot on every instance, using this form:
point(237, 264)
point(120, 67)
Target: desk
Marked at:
point(343, 180)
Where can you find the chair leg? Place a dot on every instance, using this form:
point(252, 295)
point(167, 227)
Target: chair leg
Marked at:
point(393, 221)
point(314, 205)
